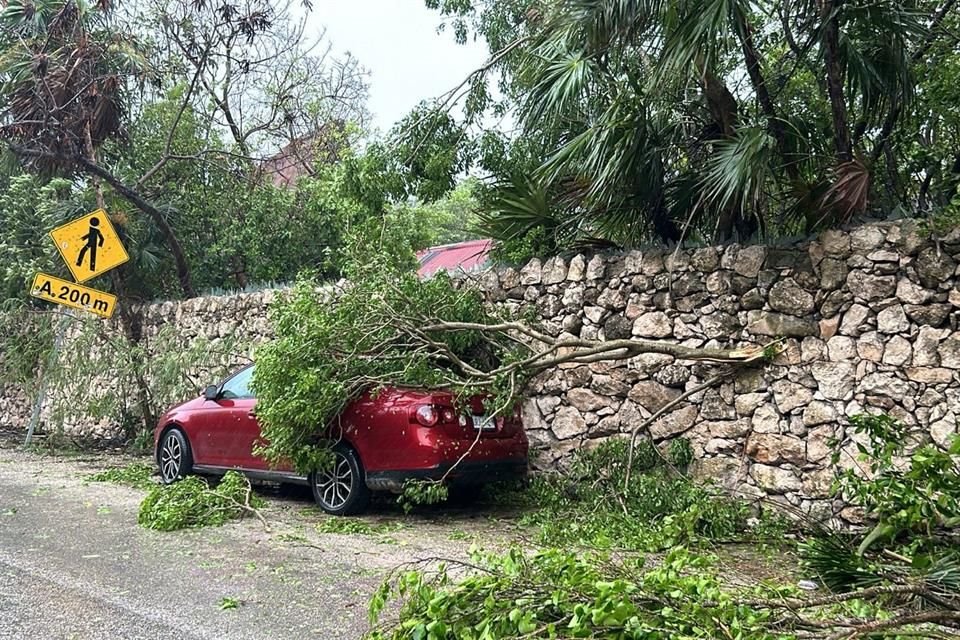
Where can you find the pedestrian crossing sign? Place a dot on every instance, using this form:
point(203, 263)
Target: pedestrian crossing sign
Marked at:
point(89, 245)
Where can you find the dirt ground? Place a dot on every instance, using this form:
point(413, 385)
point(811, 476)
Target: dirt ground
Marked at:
point(74, 563)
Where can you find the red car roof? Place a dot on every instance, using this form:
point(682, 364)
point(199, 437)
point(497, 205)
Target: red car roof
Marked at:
point(461, 256)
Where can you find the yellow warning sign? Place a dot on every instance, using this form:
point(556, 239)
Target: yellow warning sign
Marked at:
point(73, 295)
point(89, 245)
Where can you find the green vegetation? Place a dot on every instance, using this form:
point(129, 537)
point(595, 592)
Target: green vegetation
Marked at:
point(355, 526)
point(705, 121)
point(592, 505)
point(228, 602)
point(422, 492)
point(563, 591)
point(326, 355)
point(912, 503)
point(135, 474)
point(191, 502)
point(562, 594)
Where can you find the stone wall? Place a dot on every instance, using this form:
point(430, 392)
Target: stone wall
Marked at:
point(226, 327)
point(869, 319)
point(15, 407)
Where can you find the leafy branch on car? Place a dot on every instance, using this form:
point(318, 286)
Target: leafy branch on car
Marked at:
point(388, 328)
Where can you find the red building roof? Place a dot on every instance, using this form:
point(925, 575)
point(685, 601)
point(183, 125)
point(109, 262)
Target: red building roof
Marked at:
point(461, 256)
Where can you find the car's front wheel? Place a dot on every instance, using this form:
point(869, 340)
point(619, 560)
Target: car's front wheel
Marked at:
point(341, 489)
point(174, 457)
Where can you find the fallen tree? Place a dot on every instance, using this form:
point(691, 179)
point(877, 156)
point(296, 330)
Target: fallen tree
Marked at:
point(388, 327)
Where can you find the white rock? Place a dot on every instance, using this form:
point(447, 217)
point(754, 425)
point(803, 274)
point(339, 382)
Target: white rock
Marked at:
point(897, 352)
point(568, 423)
point(674, 423)
point(596, 268)
point(554, 271)
point(790, 395)
point(586, 400)
point(765, 420)
point(853, 320)
point(818, 412)
point(835, 379)
point(530, 274)
point(774, 479)
point(578, 266)
point(655, 324)
point(841, 348)
point(892, 320)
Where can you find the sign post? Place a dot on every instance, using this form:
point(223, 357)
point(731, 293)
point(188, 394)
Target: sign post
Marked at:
point(90, 246)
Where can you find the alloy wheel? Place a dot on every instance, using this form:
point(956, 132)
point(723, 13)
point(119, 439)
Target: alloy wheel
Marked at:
point(171, 458)
point(335, 484)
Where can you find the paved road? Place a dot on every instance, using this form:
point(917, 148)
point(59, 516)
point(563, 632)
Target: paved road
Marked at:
point(74, 564)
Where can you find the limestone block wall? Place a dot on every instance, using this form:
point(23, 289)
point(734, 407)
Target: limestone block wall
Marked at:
point(15, 407)
point(870, 321)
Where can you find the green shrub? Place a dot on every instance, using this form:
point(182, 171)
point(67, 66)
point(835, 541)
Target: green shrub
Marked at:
point(913, 504)
point(192, 503)
point(909, 502)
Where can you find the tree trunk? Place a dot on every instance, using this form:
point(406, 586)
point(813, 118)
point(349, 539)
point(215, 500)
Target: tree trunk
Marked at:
point(723, 110)
point(755, 71)
point(834, 73)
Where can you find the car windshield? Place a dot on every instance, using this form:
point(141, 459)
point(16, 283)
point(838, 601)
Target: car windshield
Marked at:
point(238, 386)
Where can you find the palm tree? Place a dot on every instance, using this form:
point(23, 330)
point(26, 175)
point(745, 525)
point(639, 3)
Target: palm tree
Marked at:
point(714, 118)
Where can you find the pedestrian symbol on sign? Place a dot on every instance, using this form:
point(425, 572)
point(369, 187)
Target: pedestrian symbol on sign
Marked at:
point(94, 241)
point(89, 245)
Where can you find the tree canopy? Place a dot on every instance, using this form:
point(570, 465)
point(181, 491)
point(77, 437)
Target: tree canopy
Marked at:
point(648, 121)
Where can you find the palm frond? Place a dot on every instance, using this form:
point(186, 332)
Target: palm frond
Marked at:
point(560, 86)
point(740, 169)
point(848, 193)
point(518, 208)
point(833, 558)
point(694, 34)
point(875, 49)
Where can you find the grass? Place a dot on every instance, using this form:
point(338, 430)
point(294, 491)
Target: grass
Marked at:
point(136, 475)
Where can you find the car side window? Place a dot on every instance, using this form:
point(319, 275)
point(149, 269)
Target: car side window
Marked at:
point(238, 387)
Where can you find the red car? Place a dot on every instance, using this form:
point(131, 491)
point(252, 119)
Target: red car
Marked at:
point(398, 435)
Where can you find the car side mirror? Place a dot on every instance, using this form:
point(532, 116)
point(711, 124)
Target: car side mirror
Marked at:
point(211, 393)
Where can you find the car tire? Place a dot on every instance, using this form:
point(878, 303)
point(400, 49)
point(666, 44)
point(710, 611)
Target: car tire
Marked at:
point(174, 456)
point(342, 489)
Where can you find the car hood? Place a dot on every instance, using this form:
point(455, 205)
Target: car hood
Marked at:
point(189, 405)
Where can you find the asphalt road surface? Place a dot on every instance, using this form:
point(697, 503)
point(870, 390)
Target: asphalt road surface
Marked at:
point(75, 565)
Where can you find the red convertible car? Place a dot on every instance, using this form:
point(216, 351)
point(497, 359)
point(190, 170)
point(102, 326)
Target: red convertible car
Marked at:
point(399, 434)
